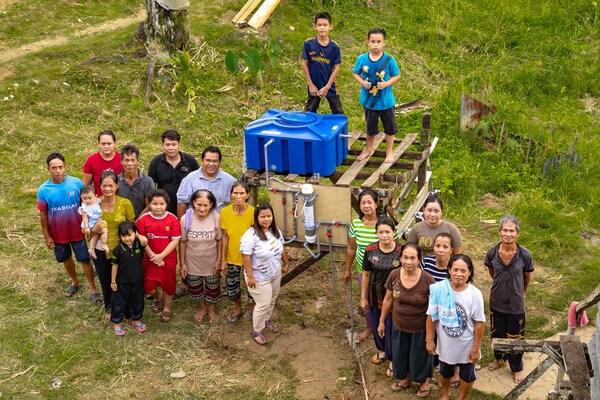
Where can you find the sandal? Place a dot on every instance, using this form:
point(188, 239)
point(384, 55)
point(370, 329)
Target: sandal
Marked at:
point(157, 307)
point(271, 326)
point(396, 386)
point(455, 384)
point(140, 327)
point(96, 298)
point(259, 338)
point(166, 316)
point(376, 359)
point(422, 393)
point(119, 330)
point(234, 318)
point(71, 290)
point(389, 372)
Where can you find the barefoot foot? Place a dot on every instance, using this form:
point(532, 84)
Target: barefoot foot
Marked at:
point(200, 315)
point(92, 252)
point(494, 365)
point(363, 335)
point(366, 153)
point(214, 318)
point(517, 377)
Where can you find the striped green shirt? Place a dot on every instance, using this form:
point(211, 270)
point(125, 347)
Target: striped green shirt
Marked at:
point(365, 235)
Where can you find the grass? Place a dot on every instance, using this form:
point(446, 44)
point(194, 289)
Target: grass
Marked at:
point(537, 62)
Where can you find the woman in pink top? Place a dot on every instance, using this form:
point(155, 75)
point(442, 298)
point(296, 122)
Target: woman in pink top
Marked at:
point(200, 253)
point(107, 159)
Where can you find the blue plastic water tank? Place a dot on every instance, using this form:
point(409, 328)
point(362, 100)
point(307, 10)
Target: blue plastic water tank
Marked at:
point(304, 143)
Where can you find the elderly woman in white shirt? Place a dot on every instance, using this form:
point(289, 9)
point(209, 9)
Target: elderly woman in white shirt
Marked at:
point(263, 253)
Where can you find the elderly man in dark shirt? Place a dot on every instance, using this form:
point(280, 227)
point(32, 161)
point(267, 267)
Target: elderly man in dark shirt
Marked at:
point(510, 265)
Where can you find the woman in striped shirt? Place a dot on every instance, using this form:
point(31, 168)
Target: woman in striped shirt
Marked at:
point(362, 233)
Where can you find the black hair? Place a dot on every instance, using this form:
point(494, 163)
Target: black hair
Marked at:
point(412, 245)
point(258, 229)
point(467, 261)
point(369, 192)
point(109, 174)
point(157, 193)
point(445, 235)
point(385, 220)
point(211, 149)
point(170, 134)
point(87, 189)
point(240, 184)
point(433, 198)
point(53, 156)
point(204, 193)
point(323, 15)
point(376, 31)
point(107, 133)
point(129, 149)
point(125, 227)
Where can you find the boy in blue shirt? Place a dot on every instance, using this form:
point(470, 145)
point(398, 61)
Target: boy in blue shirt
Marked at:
point(321, 61)
point(376, 72)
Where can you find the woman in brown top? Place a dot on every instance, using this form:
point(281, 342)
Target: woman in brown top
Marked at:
point(407, 296)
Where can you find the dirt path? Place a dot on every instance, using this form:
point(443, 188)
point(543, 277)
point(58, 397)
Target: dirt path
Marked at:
point(8, 55)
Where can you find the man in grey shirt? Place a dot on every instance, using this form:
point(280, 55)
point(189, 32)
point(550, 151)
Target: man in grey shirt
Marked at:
point(133, 183)
point(510, 265)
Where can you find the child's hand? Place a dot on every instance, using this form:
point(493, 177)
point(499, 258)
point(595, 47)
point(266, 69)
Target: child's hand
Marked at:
point(113, 286)
point(312, 89)
point(157, 259)
point(366, 84)
point(323, 91)
point(381, 85)
point(86, 231)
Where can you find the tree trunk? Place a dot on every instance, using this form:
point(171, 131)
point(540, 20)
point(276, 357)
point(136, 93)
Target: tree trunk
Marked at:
point(167, 23)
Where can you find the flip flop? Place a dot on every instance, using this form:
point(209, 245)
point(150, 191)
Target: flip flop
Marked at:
point(120, 331)
point(179, 292)
point(422, 393)
point(376, 359)
point(259, 338)
point(396, 387)
point(389, 372)
point(141, 327)
point(234, 318)
point(271, 326)
point(157, 307)
point(96, 298)
point(71, 290)
point(455, 384)
point(166, 316)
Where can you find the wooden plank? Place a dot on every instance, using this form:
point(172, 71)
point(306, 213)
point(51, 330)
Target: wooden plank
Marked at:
point(263, 13)
point(412, 211)
point(425, 128)
point(408, 139)
point(300, 268)
point(332, 204)
point(245, 11)
point(396, 178)
point(376, 163)
point(533, 376)
point(594, 351)
point(351, 173)
point(290, 177)
point(576, 366)
point(589, 301)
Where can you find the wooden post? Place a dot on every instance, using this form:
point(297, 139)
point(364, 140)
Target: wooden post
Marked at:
point(425, 129)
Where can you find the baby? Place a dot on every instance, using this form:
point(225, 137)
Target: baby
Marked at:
point(92, 220)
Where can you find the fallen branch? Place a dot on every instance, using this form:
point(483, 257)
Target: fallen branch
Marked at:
point(150, 72)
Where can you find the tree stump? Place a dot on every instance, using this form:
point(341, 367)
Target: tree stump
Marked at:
point(167, 23)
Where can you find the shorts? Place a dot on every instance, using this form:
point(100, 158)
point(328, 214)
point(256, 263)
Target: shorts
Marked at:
point(388, 118)
point(466, 371)
point(164, 277)
point(204, 288)
point(62, 252)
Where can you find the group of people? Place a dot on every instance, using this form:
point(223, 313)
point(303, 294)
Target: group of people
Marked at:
point(419, 302)
point(137, 223)
point(420, 305)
